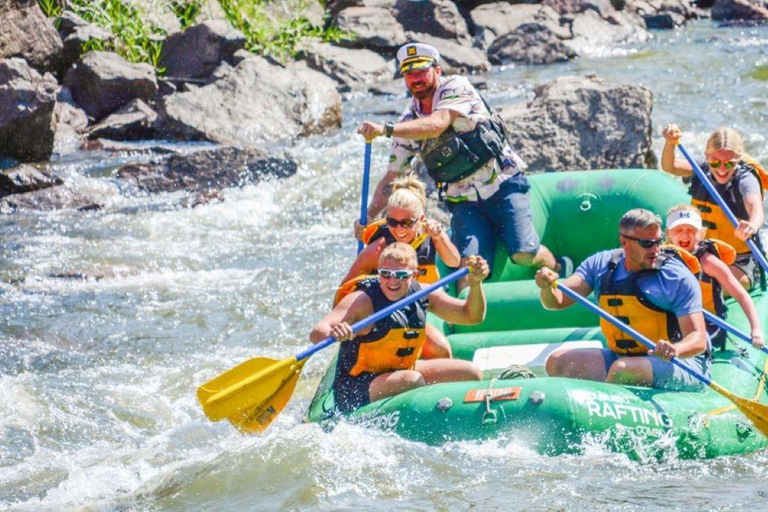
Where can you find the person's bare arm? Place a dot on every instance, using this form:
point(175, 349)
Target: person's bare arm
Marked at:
point(350, 309)
point(747, 228)
point(367, 261)
point(670, 164)
point(719, 271)
point(554, 299)
point(443, 245)
point(427, 127)
point(468, 311)
point(694, 340)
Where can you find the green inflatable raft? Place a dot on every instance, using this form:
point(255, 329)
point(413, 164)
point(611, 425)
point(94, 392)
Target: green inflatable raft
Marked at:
point(577, 214)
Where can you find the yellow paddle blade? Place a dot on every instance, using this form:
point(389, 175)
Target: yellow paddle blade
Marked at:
point(256, 419)
point(755, 411)
point(245, 385)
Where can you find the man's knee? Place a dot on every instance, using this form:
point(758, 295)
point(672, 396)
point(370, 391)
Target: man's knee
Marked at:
point(631, 371)
point(524, 259)
point(554, 364)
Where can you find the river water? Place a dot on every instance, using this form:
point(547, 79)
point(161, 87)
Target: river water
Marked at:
point(98, 375)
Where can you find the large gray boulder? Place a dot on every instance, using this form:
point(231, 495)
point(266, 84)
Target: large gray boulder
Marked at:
point(102, 82)
point(454, 57)
point(205, 170)
point(495, 20)
point(75, 33)
point(437, 18)
point(384, 26)
point(664, 20)
point(592, 33)
point(71, 123)
point(530, 43)
point(28, 34)
point(602, 7)
point(134, 121)
point(256, 102)
point(25, 178)
point(26, 111)
point(583, 123)
point(747, 10)
point(352, 69)
point(199, 50)
point(375, 28)
point(84, 195)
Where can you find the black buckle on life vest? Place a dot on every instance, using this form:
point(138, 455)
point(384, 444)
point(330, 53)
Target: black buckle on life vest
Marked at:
point(405, 352)
point(615, 302)
point(410, 335)
point(624, 319)
point(704, 209)
point(626, 344)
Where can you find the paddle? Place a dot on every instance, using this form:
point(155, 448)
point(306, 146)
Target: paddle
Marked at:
point(755, 411)
point(364, 194)
point(759, 256)
point(728, 327)
point(253, 393)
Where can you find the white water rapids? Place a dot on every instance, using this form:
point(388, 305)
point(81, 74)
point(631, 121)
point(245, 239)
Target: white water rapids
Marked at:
point(98, 375)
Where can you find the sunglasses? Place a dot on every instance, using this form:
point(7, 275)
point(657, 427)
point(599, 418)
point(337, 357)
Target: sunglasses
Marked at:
point(645, 243)
point(715, 164)
point(400, 275)
point(406, 223)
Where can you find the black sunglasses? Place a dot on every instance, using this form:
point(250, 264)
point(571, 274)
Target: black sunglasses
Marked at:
point(645, 243)
point(406, 223)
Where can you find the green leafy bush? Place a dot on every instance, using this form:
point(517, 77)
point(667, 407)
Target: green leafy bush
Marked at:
point(267, 35)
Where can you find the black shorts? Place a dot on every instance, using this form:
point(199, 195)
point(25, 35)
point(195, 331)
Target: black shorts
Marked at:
point(351, 393)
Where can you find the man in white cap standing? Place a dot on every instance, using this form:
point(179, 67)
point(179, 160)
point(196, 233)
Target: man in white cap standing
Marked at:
point(464, 147)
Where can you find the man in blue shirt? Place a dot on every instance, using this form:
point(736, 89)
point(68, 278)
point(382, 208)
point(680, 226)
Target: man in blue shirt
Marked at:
point(651, 290)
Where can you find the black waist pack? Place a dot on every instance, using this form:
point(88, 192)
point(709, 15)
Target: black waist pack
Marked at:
point(452, 156)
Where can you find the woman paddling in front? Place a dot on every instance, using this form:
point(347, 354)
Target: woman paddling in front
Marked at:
point(383, 360)
point(406, 222)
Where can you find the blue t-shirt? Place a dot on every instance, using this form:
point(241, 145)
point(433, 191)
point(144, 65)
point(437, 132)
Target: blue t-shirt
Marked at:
point(673, 288)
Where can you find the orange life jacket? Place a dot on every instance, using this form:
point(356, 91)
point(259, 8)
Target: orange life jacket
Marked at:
point(626, 301)
point(395, 343)
point(711, 291)
point(712, 216)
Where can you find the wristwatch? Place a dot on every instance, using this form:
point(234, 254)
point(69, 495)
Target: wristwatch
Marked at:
point(389, 127)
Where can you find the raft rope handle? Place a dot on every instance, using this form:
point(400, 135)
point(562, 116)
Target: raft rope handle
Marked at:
point(490, 417)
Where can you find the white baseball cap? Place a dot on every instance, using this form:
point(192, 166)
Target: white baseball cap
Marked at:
point(414, 56)
point(680, 217)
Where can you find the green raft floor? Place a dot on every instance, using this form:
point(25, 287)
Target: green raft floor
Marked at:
point(576, 214)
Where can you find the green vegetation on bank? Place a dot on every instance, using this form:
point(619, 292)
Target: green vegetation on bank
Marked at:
point(268, 34)
point(268, 31)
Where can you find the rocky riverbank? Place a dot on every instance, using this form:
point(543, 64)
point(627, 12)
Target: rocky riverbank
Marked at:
point(58, 95)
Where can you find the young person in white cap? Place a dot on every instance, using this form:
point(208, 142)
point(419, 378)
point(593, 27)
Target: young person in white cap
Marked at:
point(684, 229)
point(464, 147)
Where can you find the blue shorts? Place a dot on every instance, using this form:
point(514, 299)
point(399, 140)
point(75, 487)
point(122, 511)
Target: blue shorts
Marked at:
point(667, 375)
point(506, 214)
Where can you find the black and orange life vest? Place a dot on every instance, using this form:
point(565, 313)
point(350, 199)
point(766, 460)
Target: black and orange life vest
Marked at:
point(626, 301)
point(422, 244)
point(395, 343)
point(711, 291)
point(712, 216)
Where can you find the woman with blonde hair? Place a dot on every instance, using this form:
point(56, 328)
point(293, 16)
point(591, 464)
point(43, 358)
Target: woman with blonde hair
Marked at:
point(383, 360)
point(739, 179)
point(406, 222)
point(684, 230)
